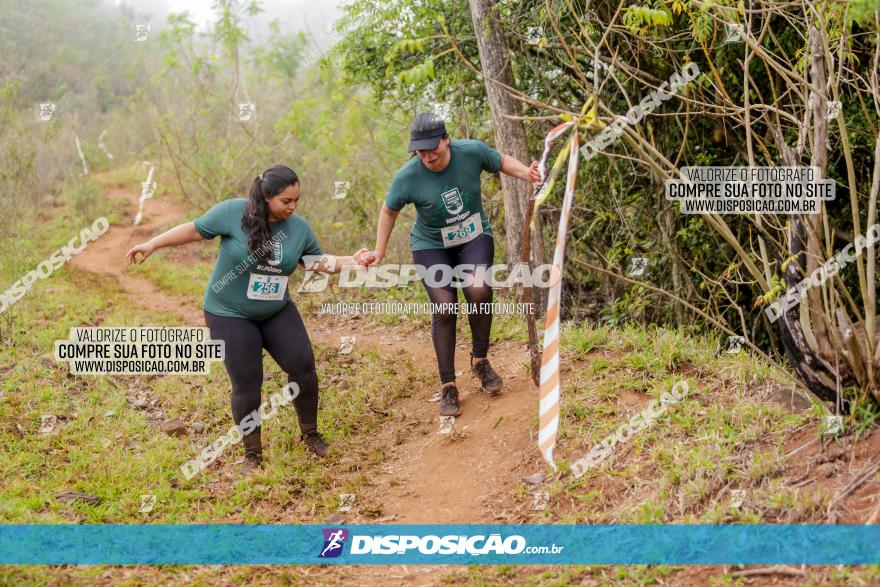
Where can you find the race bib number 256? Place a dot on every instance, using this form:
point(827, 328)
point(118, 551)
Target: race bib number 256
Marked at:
point(267, 287)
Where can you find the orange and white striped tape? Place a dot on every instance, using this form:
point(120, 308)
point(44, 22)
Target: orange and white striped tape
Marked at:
point(548, 406)
point(547, 183)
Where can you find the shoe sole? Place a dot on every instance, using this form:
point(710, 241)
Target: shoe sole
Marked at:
point(456, 414)
point(315, 452)
point(320, 455)
point(249, 468)
point(494, 391)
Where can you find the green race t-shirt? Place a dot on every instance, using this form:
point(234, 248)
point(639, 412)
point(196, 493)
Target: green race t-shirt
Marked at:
point(449, 210)
point(240, 286)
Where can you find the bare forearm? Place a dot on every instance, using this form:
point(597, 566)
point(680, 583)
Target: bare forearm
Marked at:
point(387, 217)
point(331, 263)
point(512, 166)
point(179, 235)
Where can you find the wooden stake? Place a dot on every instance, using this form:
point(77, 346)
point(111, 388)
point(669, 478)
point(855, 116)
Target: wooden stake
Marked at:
point(528, 297)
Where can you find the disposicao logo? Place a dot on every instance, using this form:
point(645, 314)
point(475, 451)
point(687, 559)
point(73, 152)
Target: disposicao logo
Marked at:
point(334, 541)
point(473, 545)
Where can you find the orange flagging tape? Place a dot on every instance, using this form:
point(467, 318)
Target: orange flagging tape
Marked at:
point(548, 405)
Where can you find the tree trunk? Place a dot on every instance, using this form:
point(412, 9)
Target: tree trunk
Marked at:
point(510, 136)
point(822, 366)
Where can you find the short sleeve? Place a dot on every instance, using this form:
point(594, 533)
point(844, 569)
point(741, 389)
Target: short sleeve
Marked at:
point(215, 221)
point(398, 196)
point(490, 158)
point(311, 248)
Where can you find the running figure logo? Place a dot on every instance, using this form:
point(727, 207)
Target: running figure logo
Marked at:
point(452, 200)
point(46, 112)
point(313, 281)
point(334, 541)
point(637, 266)
point(246, 111)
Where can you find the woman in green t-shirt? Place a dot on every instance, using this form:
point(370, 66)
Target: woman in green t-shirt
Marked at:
point(247, 304)
point(451, 231)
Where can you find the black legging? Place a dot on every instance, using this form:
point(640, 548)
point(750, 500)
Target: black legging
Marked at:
point(480, 251)
point(284, 336)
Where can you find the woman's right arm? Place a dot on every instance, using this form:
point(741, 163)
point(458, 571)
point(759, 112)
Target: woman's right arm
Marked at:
point(387, 217)
point(179, 235)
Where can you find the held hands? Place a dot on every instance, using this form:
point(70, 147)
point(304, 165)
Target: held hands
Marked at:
point(361, 257)
point(145, 249)
point(368, 258)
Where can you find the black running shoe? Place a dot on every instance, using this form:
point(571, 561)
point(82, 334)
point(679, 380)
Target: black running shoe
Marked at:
point(489, 379)
point(253, 452)
point(449, 405)
point(252, 463)
point(316, 443)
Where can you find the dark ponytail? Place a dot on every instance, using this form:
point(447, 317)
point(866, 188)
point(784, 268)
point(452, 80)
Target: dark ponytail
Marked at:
point(255, 221)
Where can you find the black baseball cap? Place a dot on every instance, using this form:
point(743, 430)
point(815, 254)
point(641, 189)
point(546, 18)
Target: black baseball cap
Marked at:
point(425, 132)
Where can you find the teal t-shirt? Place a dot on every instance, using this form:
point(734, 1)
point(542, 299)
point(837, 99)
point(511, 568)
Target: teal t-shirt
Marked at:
point(449, 210)
point(241, 286)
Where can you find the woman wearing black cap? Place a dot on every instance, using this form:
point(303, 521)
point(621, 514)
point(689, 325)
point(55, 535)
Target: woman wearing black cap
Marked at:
point(443, 183)
point(247, 303)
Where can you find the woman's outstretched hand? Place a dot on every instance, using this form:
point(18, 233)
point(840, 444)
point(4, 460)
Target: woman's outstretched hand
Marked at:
point(371, 258)
point(361, 256)
point(366, 257)
point(145, 249)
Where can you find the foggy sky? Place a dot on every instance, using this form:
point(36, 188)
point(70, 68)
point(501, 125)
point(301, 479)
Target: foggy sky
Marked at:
point(312, 16)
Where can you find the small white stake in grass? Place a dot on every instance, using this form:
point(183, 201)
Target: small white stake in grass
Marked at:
point(47, 424)
point(346, 500)
point(833, 425)
point(102, 146)
point(340, 189)
point(147, 189)
point(346, 344)
point(82, 157)
point(147, 503)
point(736, 498)
point(447, 424)
point(539, 500)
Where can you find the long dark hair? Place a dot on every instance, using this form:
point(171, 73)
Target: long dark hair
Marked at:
point(255, 221)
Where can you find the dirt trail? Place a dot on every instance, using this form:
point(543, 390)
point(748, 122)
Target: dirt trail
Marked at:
point(468, 477)
point(106, 256)
point(428, 477)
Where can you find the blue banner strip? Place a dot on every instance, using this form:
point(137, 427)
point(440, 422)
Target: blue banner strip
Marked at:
point(439, 544)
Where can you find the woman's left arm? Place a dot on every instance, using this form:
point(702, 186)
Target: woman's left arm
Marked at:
point(511, 166)
point(335, 263)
